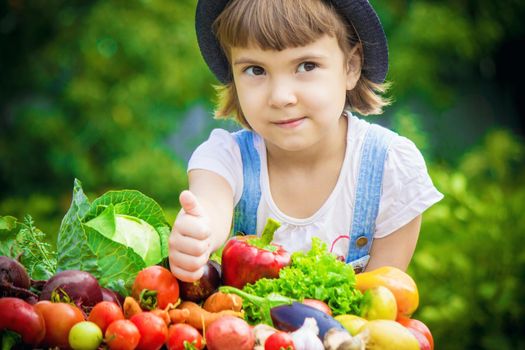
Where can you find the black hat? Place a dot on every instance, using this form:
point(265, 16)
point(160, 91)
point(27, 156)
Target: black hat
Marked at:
point(358, 12)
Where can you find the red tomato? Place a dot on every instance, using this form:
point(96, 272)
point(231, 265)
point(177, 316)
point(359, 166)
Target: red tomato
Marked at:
point(19, 316)
point(104, 313)
point(278, 341)
point(160, 279)
point(180, 333)
point(319, 305)
point(122, 335)
point(59, 318)
point(153, 330)
point(413, 324)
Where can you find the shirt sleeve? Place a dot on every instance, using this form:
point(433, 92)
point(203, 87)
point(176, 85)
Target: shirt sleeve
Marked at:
point(221, 155)
point(407, 188)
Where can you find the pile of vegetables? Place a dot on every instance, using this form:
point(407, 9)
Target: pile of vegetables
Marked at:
point(113, 238)
point(316, 274)
point(109, 285)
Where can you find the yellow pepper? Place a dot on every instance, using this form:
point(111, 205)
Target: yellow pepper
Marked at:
point(399, 282)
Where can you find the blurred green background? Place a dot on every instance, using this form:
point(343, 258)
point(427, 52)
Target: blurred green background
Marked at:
point(116, 94)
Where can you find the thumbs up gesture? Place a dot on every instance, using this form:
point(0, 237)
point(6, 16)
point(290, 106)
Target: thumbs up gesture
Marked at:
point(189, 242)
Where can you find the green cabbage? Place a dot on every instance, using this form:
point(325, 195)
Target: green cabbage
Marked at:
point(113, 238)
point(130, 231)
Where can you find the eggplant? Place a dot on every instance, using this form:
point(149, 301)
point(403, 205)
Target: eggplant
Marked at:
point(291, 317)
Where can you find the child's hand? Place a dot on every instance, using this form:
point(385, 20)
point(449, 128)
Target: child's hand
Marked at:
point(189, 242)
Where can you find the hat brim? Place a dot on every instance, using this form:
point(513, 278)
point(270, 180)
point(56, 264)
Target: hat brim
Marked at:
point(359, 13)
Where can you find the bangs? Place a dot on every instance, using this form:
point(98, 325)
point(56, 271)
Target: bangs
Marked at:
point(278, 24)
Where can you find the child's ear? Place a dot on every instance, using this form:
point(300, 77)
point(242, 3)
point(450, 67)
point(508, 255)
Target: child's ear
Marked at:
point(353, 67)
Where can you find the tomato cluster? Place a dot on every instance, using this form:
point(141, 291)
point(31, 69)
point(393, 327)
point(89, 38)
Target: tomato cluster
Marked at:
point(66, 326)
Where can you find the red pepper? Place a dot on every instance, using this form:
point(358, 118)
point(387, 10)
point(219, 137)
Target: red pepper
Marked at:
point(245, 259)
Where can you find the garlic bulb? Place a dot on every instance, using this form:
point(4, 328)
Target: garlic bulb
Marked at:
point(305, 338)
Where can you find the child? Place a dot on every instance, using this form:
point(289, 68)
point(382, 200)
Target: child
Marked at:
point(293, 71)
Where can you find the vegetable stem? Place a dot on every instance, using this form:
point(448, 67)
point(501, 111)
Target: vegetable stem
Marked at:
point(265, 304)
point(148, 299)
point(269, 230)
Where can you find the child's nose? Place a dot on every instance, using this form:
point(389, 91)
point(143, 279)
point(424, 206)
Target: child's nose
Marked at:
point(282, 94)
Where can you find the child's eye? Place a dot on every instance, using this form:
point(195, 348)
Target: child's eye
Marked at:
point(306, 67)
point(254, 70)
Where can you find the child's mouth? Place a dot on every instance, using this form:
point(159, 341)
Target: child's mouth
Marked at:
point(290, 123)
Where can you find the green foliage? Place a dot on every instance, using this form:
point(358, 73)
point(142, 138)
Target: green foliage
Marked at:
point(408, 124)
point(114, 237)
point(8, 246)
point(22, 240)
point(469, 264)
point(38, 256)
point(101, 96)
point(435, 47)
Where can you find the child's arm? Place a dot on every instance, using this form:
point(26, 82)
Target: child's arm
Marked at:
point(397, 248)
point(202, 225)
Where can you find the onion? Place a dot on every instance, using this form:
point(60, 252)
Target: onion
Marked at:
point(79, 286)
point(114, 297)
point(205, 286)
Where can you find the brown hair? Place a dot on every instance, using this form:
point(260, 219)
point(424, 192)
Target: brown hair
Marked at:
point(280, 24)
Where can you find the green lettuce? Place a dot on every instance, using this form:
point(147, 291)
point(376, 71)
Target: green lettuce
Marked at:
point(114, 237)
point(316, 274)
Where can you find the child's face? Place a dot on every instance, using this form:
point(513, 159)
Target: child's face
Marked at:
point(293, 98)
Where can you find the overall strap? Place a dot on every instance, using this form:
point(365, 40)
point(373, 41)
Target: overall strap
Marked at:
point(245, 212)
point(368, 194)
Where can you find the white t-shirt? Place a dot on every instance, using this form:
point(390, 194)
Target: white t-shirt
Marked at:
point(407, 189)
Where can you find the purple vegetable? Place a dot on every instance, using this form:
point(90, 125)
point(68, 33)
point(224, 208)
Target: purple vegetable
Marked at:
point(204, 287)
point(114, 297)
point(14, 280)
point(291, 317)
point(79, 286)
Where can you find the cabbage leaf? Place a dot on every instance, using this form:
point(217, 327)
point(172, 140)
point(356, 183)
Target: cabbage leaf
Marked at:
point(114, 237)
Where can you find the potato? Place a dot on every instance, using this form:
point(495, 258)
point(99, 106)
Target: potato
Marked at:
point(229, 332)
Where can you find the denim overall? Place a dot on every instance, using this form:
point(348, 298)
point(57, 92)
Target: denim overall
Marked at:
point(367, 198)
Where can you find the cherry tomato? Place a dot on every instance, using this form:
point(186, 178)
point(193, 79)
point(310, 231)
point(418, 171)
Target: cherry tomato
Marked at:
point(104, 313)
point(180, 333)
point(20, 317)
point(122, 335)
point(153, 330)
point(85, 335)
point(279, 341)
point(159, 279)
point(417, 325)
point(59, 319)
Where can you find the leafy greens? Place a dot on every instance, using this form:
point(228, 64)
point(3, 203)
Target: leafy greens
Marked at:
point(24, 241)
point(113, 238)
point(316, 274)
